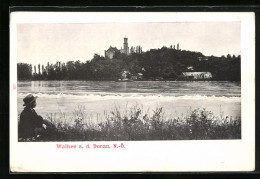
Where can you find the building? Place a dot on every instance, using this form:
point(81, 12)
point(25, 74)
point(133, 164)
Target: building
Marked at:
point(125, 75)
point(138, 76)
point(196, 75)
point(190, 68)
point(110, 52)
point(125, 50)
point(203, 58)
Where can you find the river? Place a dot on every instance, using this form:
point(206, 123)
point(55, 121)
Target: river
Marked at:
point(100, 97)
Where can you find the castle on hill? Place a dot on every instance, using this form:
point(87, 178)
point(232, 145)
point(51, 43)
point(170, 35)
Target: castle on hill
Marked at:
point(111, 51)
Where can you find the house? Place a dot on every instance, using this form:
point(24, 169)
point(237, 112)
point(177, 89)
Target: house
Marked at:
point(133, 77)
point(110, 52)
point(139, 76)
point(190, 68)
point(125, 74)
point(196, 75)
point(203, 58)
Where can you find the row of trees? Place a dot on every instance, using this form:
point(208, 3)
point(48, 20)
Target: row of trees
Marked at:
point(165, 63)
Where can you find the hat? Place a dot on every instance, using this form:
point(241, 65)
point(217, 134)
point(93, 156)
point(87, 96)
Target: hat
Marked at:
point(29, 99)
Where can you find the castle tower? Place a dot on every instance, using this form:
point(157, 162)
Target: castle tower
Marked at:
point(126, 49)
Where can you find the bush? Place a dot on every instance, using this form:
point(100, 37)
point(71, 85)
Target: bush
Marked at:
point(135, 124)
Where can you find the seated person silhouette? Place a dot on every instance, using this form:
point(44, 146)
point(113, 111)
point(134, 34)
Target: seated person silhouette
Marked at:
point(32, 126)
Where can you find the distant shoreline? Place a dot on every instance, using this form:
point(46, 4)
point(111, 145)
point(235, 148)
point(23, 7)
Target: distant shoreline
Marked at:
point(165, 64)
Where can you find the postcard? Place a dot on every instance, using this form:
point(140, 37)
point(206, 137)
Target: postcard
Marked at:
point(132, 91)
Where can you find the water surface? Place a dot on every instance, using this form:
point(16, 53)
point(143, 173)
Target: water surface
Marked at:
point(99, 97)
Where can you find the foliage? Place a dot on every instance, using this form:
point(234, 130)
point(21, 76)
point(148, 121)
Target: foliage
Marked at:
point(24, 71)
point(135, 124)
point(155, 64)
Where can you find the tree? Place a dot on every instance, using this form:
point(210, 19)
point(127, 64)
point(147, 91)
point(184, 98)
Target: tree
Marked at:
point(228, 56)
point(24, 71)
point(165, 63)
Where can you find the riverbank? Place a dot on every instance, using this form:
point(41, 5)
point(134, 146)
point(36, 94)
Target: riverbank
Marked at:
point(135, 124)
point(144, 80)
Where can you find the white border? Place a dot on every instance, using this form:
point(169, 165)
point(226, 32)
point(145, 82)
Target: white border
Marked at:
point(141, 156)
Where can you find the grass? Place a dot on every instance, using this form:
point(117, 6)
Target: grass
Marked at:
point(136, 124)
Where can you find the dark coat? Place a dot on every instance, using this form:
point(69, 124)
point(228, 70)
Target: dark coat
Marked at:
point(29, 121)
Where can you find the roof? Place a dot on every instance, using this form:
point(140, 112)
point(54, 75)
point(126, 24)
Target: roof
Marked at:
point(194, 73)
point(113, 49)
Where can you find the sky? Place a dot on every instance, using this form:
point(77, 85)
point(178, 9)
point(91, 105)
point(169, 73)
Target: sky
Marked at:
point(42, 43)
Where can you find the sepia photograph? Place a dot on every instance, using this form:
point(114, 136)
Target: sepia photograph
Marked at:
point(129, 81)
point(133, 79)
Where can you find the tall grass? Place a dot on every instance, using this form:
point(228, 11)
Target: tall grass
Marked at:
point(136, 124)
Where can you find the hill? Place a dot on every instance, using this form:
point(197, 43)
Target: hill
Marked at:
point(163, 64)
